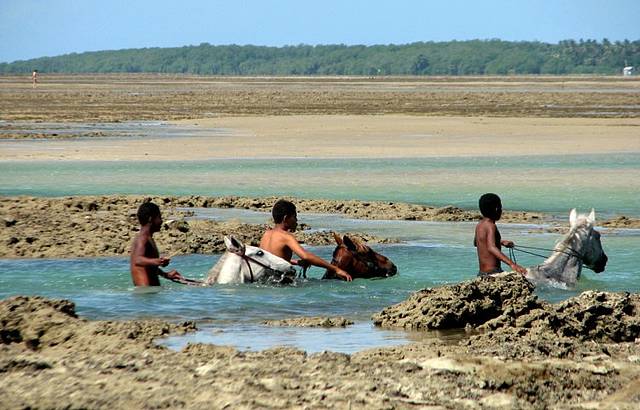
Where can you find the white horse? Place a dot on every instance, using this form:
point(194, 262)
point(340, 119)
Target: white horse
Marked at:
point(244, 263)
point(580, 247)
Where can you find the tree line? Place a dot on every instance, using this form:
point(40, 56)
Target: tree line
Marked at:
point(474, 57)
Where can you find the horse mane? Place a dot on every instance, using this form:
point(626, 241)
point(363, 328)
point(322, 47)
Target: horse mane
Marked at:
point(564, 242)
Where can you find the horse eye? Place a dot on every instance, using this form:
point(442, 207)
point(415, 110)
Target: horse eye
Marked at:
point(260, 253)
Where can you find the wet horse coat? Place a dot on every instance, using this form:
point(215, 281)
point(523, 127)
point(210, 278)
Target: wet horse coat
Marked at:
point(359, 260)
point(245, 264)
point(580, 247)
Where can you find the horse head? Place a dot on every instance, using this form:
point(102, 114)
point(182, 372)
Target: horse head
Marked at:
point(580, 247)
point(359, 260)
point(588, 241)
point(245, 263)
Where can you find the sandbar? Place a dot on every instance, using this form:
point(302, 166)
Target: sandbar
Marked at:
point(350, 136)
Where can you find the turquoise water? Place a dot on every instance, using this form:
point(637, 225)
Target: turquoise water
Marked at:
point(431, 254)
point(609, 183)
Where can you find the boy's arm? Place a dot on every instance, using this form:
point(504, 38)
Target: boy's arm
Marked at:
point(171, 275)
point(493, 249)
point(139, 258)
point(315, 260)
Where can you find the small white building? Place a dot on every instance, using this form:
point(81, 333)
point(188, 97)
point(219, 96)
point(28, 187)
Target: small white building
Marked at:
point(627, 71)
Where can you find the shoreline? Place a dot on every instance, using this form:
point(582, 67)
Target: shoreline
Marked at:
point(528, 354)
point(83, 226)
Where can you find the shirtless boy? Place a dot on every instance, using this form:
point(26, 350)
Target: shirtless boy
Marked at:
point(281, 242)
point(488, 240)
point(145, 258)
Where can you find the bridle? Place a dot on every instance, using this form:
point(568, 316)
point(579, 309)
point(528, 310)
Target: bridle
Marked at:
point(248, 259)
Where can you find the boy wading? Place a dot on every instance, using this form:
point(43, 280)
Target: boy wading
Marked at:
point(488, 241)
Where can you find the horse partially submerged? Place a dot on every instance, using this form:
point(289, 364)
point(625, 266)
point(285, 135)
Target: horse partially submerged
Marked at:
point(580, 247)
point(359, 260)
point(246, 264)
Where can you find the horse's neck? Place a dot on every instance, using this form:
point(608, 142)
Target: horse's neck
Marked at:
point(229, 269)
point(564, 263)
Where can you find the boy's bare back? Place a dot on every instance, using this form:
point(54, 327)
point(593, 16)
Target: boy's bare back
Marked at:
point(276, 241)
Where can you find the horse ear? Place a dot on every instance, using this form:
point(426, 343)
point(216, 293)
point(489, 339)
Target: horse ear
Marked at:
point(592, 216)
point(359, 245)
point(232, 243)
point(337, 238)
point(573, 217)
point(349, 243)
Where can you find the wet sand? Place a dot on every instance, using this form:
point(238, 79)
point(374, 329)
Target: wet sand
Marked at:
point(124, 97)
point(327, 117)
point(337, 136)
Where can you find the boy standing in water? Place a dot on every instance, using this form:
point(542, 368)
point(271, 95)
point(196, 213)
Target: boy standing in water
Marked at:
point(145, 258)
point(281, 242)
point(488, 241)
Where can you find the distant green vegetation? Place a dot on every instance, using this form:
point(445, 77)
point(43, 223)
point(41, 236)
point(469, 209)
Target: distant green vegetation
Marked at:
point(474, 57)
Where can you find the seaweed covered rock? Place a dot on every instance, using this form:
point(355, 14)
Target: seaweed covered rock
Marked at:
point(39, 323)
point(578, 327)
point(470, 303)
point(515, 324)
point(599, 316)
point(36, 321)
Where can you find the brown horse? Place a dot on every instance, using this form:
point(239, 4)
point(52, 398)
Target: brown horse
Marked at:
point(359, 260)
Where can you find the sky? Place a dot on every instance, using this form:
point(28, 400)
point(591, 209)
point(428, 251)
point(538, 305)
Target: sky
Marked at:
point(37, 28)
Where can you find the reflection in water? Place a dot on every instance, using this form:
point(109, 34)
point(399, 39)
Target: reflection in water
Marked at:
point(350, 339)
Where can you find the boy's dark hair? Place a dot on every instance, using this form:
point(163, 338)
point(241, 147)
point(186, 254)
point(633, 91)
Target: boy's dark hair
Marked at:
point(146, 211)
point(281, 209)
point(489, 204)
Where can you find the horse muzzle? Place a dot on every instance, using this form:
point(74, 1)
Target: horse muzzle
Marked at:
point(600, 264)
point(392, 271)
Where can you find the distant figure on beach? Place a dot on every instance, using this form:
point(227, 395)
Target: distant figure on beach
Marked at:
point(488, 240)
point(145, 258)
point(280, 241)
point(34, 78)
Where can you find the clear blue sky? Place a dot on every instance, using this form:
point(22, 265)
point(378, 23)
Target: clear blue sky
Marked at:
point(36, 28)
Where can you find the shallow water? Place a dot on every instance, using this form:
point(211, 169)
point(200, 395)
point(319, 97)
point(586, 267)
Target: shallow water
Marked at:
point(433, 254)
point(608, 183)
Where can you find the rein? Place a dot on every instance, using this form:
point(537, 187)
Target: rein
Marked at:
point(248, 260)
point(521, 248)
